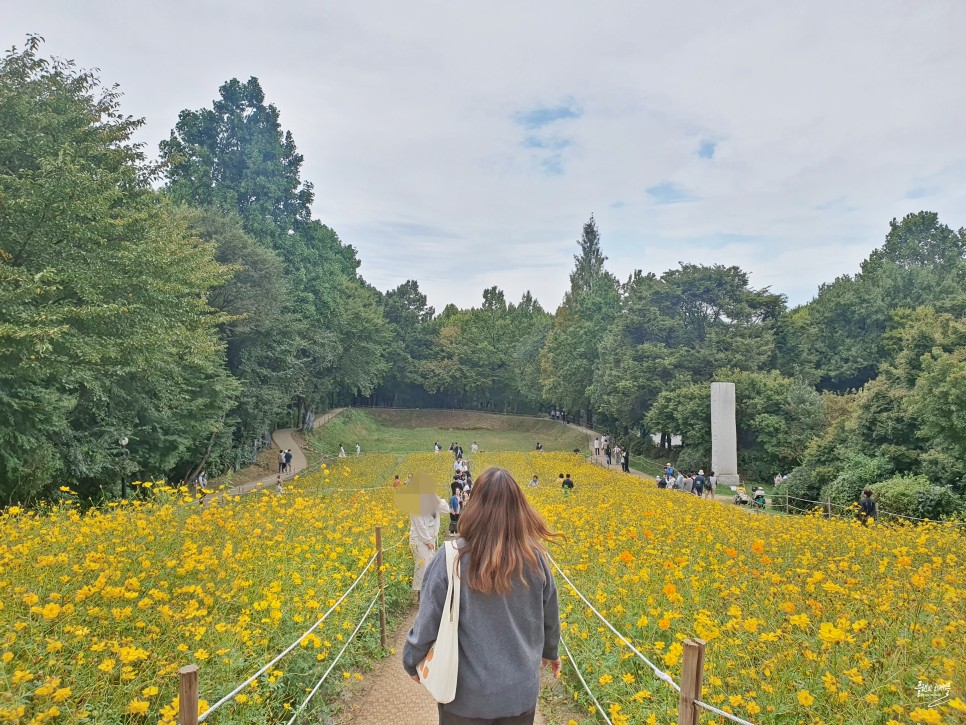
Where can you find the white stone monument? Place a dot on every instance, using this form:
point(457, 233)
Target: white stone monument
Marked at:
point(724, 434)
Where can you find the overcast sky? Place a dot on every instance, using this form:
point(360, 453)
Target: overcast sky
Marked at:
point(465, 144)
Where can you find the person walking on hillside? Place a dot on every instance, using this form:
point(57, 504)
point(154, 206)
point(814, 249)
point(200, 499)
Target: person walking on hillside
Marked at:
point(281, 461)
point(454, 510)
point(474, 448)
point(596, 447)
point(342, 451)
point(607, 452)
point(699, 483)
point(437, 448)
point(867, 507)
point(288, 460)
point(358, 450)
point(625, 462)
point(423, 533)
point(278, 484)
point(510, 597)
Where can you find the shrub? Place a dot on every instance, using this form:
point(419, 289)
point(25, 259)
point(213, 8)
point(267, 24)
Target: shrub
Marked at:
point(858, 472)
point(693, 459)
point(916, 496)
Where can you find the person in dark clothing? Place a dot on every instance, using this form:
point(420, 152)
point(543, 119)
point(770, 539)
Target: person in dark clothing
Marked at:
point(699, 484)
point(607, 452)
point(867, 508)
point(568, 483)
point(625, 462)
point(456, 486)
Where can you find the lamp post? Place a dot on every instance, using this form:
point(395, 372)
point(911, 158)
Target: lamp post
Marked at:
point(123, 443)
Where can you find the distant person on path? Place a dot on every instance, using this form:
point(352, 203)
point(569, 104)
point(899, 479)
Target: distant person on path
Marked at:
point(668, 470)
point(509, 588)
point(281, 461)
point(423, 533)
point(625, 462)
point(687, 484)
point(341, 451)
point(454, 510)
point(778, 479)
point(358, 450)
point(474, 448)
point(202, 479)
point(699, 483)
point(617, 455)
point(596, 447)
point(278, 484)
point(288, 460)
point(867, 507)
point(568, 483)
point(437, 448)
point(539, 446)
point(607, 452)
point(711, 485)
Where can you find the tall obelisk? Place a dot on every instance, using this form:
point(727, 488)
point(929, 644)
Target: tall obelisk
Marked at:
point(724, 434)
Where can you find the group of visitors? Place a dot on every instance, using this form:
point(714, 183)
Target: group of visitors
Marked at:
point(687, 481)
point(342, 453)
point(460, 490)
point(509, 621)
point(285, 460)
point(611, 453)
point(566, 482)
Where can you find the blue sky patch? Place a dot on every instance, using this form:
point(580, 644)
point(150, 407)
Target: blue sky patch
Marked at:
point(706, 149)
point(667, 192)
point(546, 115)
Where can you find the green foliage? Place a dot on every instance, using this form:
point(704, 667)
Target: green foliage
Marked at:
point(856, 473)
point(106, 330)
point(912, 495)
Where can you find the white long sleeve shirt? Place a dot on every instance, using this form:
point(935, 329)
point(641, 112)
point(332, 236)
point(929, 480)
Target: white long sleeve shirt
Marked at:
point(425, 529)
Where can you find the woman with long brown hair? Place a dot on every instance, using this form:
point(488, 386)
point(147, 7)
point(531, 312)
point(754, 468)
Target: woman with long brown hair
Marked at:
point(508, 614)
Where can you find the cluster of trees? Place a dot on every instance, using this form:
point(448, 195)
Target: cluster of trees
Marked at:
point(190, 305)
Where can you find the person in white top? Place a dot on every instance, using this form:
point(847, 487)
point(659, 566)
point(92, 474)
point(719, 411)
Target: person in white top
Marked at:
point(423, 534)
point(341, 451)
point(474, 448)
point(597, 447)
point(358, 450)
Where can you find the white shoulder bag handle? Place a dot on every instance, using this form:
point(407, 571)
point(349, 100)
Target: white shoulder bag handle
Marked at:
point(438, 671)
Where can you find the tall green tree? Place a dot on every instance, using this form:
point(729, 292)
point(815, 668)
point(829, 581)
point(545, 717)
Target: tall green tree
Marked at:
point(106, 330)
point(570, 357)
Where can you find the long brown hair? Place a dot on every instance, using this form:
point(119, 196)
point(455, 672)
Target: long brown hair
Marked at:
point(502, 531)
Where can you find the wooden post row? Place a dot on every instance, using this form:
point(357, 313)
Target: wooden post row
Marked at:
point(188, 695)
point(382, 589)
point(692, 674)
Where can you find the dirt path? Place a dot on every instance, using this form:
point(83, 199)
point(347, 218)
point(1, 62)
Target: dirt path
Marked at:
point(282, 439)
point(388, 695)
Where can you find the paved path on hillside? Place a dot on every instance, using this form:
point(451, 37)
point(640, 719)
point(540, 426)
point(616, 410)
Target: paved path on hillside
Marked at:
point(388, 695)
point(282, 439)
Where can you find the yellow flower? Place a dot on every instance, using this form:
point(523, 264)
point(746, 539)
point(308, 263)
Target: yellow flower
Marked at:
point(21, 676)
point(61, 694)
point(830, 634)
point(149, 691)
point(927, 716)
point(605, 679)
point(202, 654)
point(805, 698)
point(137, 707)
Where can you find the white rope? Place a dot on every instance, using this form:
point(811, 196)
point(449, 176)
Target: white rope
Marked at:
point(341, 652)
point(716, 711)
point(288, 649)
point(824, 504)
point(583, 682)
point(660, 674)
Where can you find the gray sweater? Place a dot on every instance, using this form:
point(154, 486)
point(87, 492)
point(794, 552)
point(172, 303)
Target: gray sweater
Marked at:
point(502, 639)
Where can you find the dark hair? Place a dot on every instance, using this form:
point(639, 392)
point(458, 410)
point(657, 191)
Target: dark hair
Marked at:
point(867, 492)
point(503, 533)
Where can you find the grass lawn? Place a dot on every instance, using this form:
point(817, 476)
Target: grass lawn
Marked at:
point(409, 431)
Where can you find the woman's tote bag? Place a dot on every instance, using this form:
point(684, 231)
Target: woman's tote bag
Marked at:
point(438, 671)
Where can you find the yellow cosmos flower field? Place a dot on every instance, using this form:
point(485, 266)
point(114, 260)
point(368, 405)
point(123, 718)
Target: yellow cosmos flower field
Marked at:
point(806, 620)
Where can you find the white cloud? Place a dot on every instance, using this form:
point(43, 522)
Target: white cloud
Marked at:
point(828, 119)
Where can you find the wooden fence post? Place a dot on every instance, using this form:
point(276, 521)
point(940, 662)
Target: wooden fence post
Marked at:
point(188, 695)
point(829, 502)
point(787, 506)
point(692, 673)
point(382, 589)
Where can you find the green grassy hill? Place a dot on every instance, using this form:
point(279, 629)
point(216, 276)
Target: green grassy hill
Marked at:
point(407, 431)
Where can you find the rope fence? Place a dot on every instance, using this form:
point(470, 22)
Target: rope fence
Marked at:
point(188, 675)
point(692, 669)
point(829, 505)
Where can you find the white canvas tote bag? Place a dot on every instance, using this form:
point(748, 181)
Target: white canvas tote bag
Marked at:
point(438, 671)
